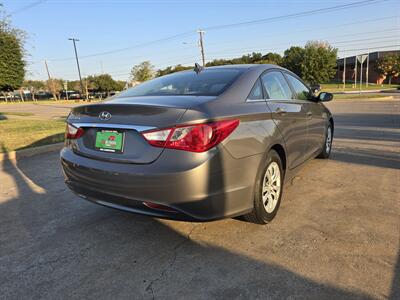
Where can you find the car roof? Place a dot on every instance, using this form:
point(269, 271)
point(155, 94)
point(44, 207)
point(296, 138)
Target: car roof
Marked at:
point(244, 66)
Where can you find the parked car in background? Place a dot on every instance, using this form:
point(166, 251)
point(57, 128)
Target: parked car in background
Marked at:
point(64, 94)
point(198, 145)
point(74, 95)
point(43, 95)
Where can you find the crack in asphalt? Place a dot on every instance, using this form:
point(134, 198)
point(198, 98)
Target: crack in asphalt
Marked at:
point(149, 287)
point(41, 263)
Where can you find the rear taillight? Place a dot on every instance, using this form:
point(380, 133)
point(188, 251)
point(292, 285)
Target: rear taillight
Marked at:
point(194, 138)
point(72, 132)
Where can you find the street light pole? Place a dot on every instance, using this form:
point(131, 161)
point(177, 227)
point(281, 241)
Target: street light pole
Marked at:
point(74, 40)
point(344, 72)
point(355, 71)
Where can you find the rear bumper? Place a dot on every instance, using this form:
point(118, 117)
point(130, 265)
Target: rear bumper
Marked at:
point(197, 186)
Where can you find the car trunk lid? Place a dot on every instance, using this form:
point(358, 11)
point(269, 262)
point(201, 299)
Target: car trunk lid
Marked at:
point(119, 123)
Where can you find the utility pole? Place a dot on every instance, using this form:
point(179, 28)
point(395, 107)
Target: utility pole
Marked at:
point(50, 81)
point(355, 72)
point(344, 72)
point(74, 40)
point(366, 75)
point(201, 44)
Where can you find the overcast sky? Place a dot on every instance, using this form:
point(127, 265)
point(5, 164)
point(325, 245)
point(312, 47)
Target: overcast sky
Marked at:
point(115, 35)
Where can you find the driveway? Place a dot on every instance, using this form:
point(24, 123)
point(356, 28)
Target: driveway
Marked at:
point(336, 234)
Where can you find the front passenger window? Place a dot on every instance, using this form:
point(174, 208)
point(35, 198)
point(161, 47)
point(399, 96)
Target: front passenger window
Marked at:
point(302, 91)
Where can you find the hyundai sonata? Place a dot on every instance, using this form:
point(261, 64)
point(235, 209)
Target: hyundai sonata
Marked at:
point(198, 145)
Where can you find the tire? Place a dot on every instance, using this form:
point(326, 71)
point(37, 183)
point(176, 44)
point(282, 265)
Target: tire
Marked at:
point(327, 146)
point(263, 214)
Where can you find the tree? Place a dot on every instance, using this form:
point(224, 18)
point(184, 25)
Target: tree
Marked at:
point(34, 86)
point(389, 66)
point(102, 83)
point(271, 58)
point(293, 58)
point(319, 62)
point(170, 70)
point(55, 85)
point(253, 58)
point(143, 71)
point(120, 85)
point(12, 65)
point(74, 85)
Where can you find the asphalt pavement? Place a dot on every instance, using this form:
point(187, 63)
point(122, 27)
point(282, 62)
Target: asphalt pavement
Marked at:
point(336, 235)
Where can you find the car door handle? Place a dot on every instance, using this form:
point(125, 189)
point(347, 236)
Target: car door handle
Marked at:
point(280, 111)
point(309, 114)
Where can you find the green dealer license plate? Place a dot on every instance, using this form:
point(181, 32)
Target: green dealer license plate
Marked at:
point(110, 141)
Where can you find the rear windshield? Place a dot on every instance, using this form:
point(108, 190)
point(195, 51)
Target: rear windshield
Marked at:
point(211, 82)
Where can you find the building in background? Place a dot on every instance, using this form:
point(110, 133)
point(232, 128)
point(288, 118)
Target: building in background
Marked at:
point(368, 68)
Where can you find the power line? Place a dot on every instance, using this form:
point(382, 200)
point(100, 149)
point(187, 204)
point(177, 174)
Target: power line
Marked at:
point(182, 61)
point(342, 35)
point(26, 7)
point(130, 48)
point(295, 15)
point(319, 28)
point(219, 27)
point(269, 35)
point(342, 50)
point(372, 48)
point(272, 46)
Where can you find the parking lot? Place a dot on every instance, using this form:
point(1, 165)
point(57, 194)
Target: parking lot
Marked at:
point(336, 234)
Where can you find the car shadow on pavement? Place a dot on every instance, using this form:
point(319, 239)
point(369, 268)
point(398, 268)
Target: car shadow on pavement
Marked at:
point(53, 245)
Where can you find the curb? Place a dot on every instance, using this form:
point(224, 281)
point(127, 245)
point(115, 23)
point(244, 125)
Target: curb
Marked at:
point(368, 99)
point(391, 90)
point(13, 155)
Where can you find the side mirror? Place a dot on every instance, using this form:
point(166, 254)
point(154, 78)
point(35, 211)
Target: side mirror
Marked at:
point(325, 97)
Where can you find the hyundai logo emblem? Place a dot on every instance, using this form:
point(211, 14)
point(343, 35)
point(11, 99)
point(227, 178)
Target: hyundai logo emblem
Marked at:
point(105, 115)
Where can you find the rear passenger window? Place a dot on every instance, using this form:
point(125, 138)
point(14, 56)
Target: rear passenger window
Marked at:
point(302, 92)
point(276, 86)
point(257, 92)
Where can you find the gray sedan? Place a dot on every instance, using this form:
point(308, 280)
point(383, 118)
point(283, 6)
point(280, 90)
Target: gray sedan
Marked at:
point(198, 145)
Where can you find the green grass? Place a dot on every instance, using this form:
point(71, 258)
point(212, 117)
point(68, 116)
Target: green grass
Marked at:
point(49, 102)
point(21, 114)
point(20, 134)
point(338, 87)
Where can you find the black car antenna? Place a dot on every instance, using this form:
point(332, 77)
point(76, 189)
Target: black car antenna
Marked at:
point(198, 68)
